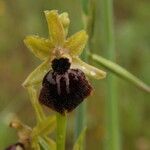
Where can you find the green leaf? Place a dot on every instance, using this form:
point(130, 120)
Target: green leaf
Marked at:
point(51, 142)
point(84, 4)
point(44, 144)
point(79, 143)
point(45, 127)
point(120, 71)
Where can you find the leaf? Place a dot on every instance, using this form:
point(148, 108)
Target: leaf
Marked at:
point(51, 143)
point(55, 27)
point(76, 43)
point(40, 47)
point(120, 71)
point(79, 143)
point(88, 69)
point(46, 126)
point(37, 75)
point(84, 4)
point(44, 145)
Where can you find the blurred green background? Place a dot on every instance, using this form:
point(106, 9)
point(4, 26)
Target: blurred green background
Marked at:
point(19, 18)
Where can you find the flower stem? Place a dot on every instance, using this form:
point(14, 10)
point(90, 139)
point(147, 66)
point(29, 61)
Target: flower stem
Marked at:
point(61, 131)
point(112, 125)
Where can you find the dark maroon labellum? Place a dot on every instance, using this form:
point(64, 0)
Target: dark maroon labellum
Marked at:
point(63, 89)
point(17, 146)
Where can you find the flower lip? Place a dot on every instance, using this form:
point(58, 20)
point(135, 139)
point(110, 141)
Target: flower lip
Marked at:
point(61, 65)
point(64, 92)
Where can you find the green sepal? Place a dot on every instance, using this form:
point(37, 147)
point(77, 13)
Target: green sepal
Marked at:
point(37, 75)
point(76, 43)
point(89, 70)
point(40, 47)
point(55, 26)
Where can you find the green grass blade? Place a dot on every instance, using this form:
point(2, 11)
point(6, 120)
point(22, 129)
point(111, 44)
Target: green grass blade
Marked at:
point(44, 145)
point(120, 71)
point(80, 119)
point(79, 142)
point(112, 114)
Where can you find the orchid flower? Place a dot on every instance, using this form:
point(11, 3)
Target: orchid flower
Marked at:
point(58, 45)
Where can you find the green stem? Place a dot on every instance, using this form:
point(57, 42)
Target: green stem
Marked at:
point(80, 119)
point(88, 7)
point(113, 137)
point(61, 131)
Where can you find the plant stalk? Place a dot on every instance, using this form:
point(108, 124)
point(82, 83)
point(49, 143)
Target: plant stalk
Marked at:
point(80, 119)
point(112, 126)
point(88, 9)
point(61, 131)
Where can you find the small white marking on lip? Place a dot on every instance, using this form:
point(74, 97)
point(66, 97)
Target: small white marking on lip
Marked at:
point(83, 67)
point(92, 73)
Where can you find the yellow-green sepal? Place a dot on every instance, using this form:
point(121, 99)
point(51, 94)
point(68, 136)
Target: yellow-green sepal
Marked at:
point(88, 69)
point(55, 26)
point(40, 47)
point(76, 43)
point(37, 75)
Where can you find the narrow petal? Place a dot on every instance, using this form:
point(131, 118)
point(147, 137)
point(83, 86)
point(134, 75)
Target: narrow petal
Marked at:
point(76, 43)
point(55, 27)
point(40, 47)
point(37, 75)
point(64, 18)
point(88, 69)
